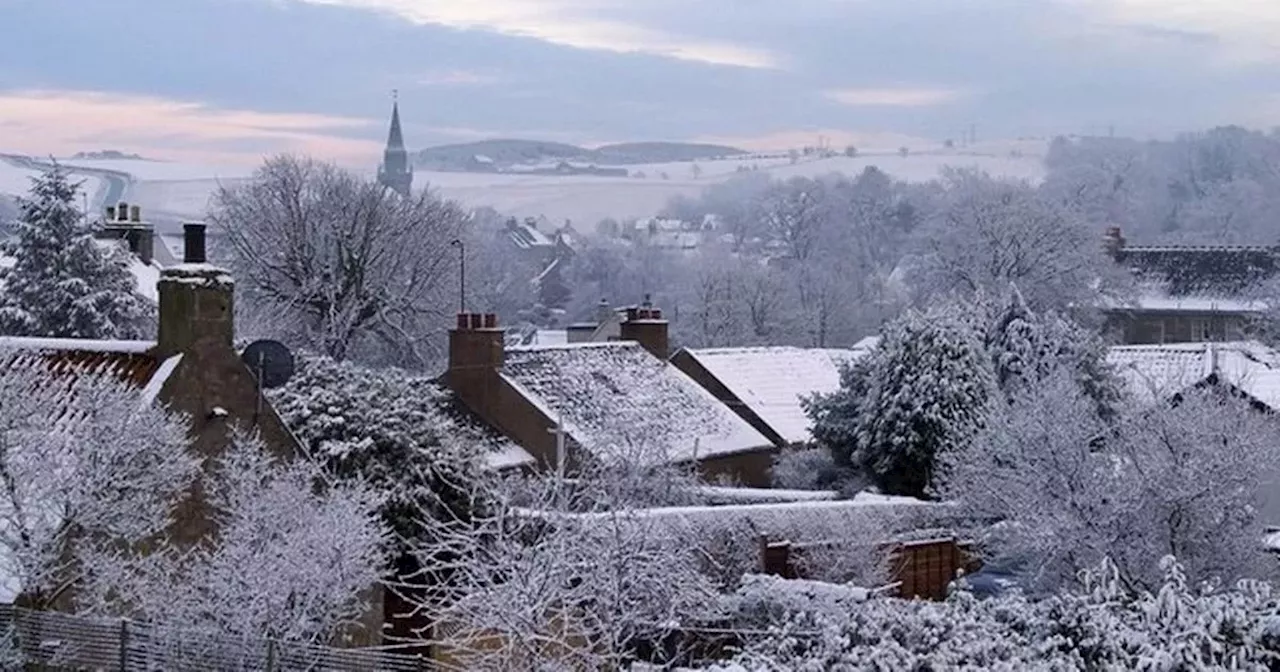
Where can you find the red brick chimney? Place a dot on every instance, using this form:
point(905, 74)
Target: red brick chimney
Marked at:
point(476, 354)
point(644, 325)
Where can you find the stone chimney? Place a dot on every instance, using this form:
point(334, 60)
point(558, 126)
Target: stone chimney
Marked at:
point(196, 299)
point(644, 325)
point(476, 354)
point(124, 222)
point(1113, 242)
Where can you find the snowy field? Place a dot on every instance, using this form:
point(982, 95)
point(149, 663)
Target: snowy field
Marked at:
point(16, 181)
point(171, 190)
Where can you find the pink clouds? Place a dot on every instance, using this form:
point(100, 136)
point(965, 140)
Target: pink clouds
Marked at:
point(62, 122)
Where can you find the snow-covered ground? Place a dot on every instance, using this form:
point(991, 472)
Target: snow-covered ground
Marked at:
point(16, 181)
point(170, 190)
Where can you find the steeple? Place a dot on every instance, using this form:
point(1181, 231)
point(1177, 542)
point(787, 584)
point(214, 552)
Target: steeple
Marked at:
point(395, 172)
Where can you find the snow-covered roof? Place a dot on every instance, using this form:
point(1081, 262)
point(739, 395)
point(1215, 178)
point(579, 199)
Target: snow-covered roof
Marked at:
point(773, 381)
point(526, 236)
point(130, 361)
point(1157, 300)
point(797, 521)
point(145, 275)
point(617, 401)
point(1155, 372)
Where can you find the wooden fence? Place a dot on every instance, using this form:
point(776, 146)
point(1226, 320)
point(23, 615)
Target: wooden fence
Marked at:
point(922, 569)
point(46, 640)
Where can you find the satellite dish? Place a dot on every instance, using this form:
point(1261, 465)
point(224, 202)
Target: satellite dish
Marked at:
point(270, 362)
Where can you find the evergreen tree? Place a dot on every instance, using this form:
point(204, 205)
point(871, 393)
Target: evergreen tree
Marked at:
point(62, 283)
point(1027, 347)
point(923, 391)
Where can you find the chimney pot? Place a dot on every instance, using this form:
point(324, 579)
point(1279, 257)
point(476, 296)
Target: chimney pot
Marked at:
point(490, 321)
point(464, 321)
point(193, 243)
point(122, 212)
point(135, 213)
point(632, 314)
point(111, 213)
point(655, 314)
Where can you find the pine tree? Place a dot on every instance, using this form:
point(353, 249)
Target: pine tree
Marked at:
point(63, 284)
point(1027, 347)
point(929, 386)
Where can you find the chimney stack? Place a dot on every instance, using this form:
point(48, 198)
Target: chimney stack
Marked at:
point(124, 222)
point(476, 353)
point(1113, 242)
point(196, 300)
point(193, 243)
point(644, 325)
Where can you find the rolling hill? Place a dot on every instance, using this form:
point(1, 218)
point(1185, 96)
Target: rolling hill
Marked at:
point(508, 152)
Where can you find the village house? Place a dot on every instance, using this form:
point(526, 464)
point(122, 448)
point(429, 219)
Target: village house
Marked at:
point(767, 386)
point(611, 401)
point(1188, 293)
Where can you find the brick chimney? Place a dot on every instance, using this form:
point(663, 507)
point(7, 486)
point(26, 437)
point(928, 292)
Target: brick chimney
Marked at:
point(644, 325)
point(124, 222)
point(476, 353)
point(1113, 242)
point(196, 299)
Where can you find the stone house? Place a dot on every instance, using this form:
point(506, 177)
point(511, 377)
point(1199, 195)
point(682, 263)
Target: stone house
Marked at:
point(1188, 293)
point(613, 400)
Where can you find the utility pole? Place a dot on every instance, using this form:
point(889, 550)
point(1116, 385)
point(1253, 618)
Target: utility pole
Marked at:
point(462, 274)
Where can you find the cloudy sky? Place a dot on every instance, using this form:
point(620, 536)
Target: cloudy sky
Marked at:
point(230, 80)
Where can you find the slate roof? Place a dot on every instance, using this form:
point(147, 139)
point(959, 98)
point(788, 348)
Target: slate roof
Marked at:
point(1155, 372)
point(772, 381)
point(617, 401)
point(1201, 270)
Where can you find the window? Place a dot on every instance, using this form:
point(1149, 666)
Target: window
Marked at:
point(1199, 330)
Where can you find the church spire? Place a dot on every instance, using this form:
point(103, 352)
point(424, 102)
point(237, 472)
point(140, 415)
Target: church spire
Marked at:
point(396, 173)
point(395, 139)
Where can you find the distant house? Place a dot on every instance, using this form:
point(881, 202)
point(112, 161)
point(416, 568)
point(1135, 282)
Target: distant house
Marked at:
point(607, 402)
point(766, 386)
point(1155, 373)
point(1188, 293)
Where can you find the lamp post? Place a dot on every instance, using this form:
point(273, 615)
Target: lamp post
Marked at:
point(462, 274)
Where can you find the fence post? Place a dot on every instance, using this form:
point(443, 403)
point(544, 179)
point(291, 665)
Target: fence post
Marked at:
point(124, 645)
point(271, 655)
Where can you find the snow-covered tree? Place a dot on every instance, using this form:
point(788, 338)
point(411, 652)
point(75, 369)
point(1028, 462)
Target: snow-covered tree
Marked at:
point(922, 393)
point(293, 557)
point(81, 459)
point(559, 575)
point(362, 271)
point(384, 428)
point(62, 284)
point(1027, 346)
point(1072, 489)
point(1096, 626)
point(988, 233)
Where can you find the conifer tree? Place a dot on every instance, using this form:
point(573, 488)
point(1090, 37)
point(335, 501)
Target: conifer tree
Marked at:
point(62, 283)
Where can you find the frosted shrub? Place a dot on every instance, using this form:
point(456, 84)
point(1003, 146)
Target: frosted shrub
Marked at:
point(1098, 626)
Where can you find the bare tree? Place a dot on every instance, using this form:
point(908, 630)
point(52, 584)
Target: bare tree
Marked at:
point(990, 232)
point(560, 573)
point(361, 269)
point(795, 213)
point(293, 558)
point(79, 460)
point(1182, 479)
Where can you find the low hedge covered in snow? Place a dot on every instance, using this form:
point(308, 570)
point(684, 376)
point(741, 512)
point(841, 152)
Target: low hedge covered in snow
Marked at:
point(1100, 627)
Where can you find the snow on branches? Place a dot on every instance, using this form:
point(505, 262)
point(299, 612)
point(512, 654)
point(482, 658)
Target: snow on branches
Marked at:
point(62, 284)
point(1097, 627)
point(292, 559)
point(81, 457)
point(1074, 488)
